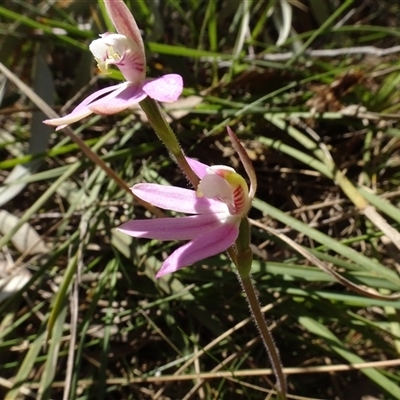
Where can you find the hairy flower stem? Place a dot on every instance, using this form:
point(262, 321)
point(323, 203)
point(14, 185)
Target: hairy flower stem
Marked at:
point(167, 136)
point(243, 260)
point(266, 336)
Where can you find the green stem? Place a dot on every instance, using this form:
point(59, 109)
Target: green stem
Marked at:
point(167, 136)
point(266, 336)
point(243, 261)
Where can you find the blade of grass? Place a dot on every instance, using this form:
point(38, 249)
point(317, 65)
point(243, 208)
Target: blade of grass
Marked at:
point(50, 367)
point(329, 22)
point(358, 258)
point(376, 376)
point(28, 363)
point(107, 320)
point(22, 19)
point(39, 134)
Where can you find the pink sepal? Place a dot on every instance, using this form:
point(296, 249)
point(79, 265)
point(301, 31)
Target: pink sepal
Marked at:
point(177, 199)
point(167, 88)
point(118, 100)
point(185, 228)
point(198, 167)
point(81, 110)
point(204, 246)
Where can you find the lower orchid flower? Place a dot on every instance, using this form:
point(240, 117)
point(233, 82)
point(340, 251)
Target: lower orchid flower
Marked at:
point(218, 205)
point(125, 50)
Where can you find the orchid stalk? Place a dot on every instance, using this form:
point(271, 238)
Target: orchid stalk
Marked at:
point(167, 136)
point(217, 222)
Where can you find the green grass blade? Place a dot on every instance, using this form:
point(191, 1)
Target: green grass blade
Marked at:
point(322, 331)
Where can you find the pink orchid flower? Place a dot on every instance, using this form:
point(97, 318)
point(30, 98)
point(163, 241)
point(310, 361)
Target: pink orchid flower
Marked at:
point(124, 49)
point(221, 201)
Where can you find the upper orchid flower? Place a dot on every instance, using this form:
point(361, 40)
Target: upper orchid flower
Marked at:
point(221, 201)
point(124, 49)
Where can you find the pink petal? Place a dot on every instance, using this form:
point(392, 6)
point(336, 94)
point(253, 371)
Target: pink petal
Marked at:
point(96, 95)
point(198, 168)
point(207, 245)
point(81, 110)
point(178, 199)
point(124, 22)
point(62, 122)
point(167, 88)
point(119, 100)
point(180, 228)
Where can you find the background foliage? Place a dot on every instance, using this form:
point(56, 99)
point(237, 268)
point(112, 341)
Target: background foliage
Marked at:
point(314, 99)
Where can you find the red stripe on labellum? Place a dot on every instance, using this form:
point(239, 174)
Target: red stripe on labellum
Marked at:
point(239, 199)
